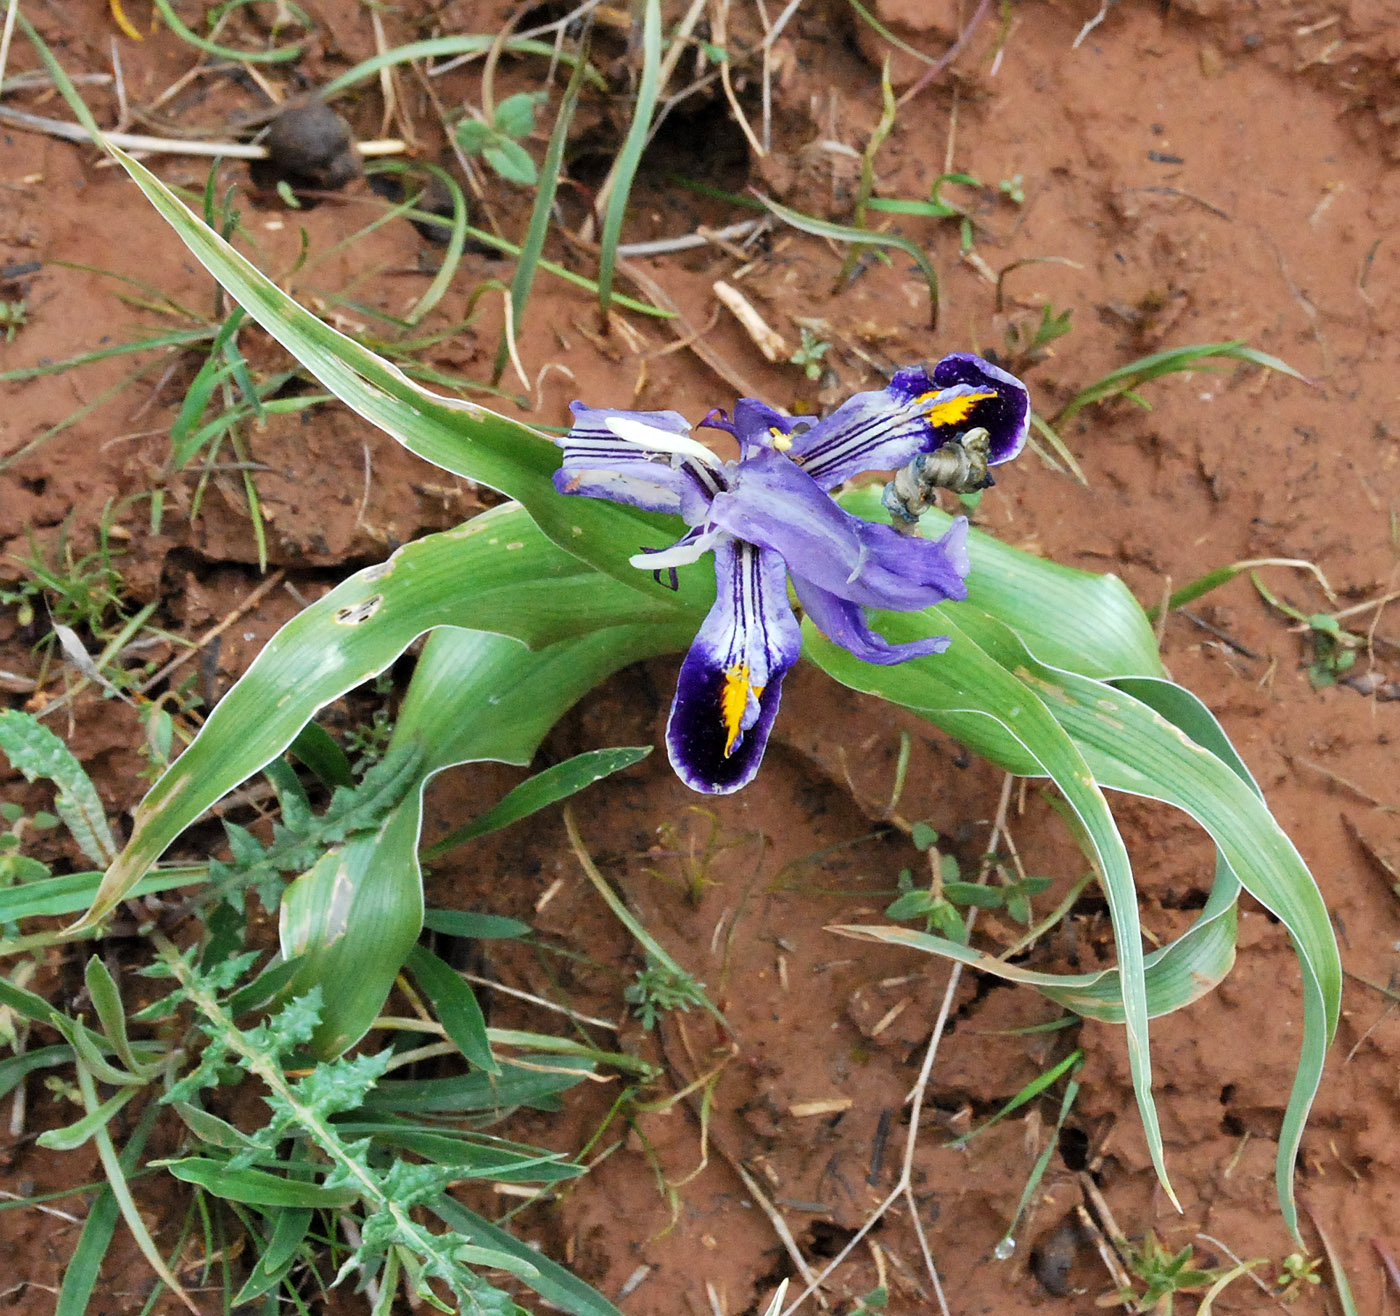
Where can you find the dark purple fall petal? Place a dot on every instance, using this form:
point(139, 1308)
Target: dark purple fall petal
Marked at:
point(731, 680)
point(1007, 416)
point(916, 412)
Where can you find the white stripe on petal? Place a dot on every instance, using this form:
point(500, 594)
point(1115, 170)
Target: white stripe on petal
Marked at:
point(658, 440)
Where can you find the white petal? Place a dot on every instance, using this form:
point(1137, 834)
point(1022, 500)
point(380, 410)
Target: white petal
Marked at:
point(678, 555)
point(658, 440)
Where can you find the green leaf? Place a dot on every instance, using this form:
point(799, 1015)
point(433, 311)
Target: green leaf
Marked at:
point(213, 1130)
point(257, 1187)
point(480, 1092)
point(72, 1136)
point(455, 1005)
point(74, 891)
point(542, 790)
point(107, 1001)
point(36, 752)
point(317, 749)
point(480, 927)
point(289, 1230)
point(511, 161)
point(14, 1069)
point(472, 135)
point(472, 1156)
point(923, 836)
point(515, 116)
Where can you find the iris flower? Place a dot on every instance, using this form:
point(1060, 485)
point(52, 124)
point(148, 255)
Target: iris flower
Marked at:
point(770, 516)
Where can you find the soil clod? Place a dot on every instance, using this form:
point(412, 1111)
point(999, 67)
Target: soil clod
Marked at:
point(310, 147)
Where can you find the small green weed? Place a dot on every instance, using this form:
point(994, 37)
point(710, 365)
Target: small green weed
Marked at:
point(499, 142)
point(1334, 649)
point(1297, 1274)
point(1013, 189)
point(344, 1149)
point(659, 989)
point(1163, 1275)
point(811, 355)
point(84, 591)
point(1028, 343)
point(941, 902)
point(13, 317)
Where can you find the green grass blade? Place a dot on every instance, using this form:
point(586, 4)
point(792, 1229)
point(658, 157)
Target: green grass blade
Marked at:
point(289, 1230)
point(551, 172)
point(180, 338)
point(630, 156)
point(456, 238)
point(282, 55)
point(1194, 356)
point(445, 48)
point(479, 927)
point(85, 1265)
point(74, 891)
point(542, 790)
point(552, 1282)
point(824, 228)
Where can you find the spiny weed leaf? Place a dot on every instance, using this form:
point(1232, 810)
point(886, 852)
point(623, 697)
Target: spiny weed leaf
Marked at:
point(35, 751)
point(301, 838)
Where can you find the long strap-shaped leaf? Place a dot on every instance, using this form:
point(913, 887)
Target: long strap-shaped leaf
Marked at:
point(354, 917)
point(997, 715)
point(1149, 737)
point(496, 573)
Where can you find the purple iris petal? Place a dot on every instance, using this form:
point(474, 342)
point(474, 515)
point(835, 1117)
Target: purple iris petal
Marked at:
point(731, 680)
point(769, 513)
point(844, 623)
point(778, 505)
point(916, 412)
point(600, 464)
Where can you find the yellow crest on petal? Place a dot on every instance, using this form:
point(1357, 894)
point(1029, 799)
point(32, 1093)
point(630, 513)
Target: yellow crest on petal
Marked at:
point(733, 699)
point(952, 411)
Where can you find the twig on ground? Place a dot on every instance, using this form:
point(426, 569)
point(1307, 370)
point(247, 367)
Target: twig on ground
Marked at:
point(75, 132)
point(949, 55)
point(764, 336)
point(720, 37)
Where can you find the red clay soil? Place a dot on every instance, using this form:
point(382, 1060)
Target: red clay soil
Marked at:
point(1191, 172)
